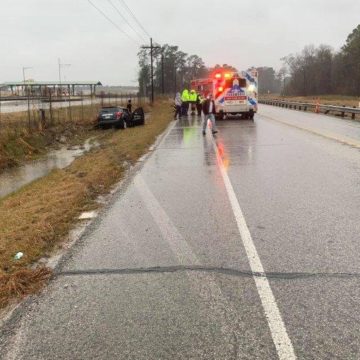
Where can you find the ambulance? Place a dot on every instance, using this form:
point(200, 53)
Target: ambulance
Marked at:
point(235, 93)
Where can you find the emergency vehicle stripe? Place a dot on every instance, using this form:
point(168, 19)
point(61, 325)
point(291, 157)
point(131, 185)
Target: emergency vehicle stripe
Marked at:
point(250, 78)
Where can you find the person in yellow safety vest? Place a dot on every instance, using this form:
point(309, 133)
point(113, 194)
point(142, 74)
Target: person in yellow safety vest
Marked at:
point(185, 98)
point(193, 97)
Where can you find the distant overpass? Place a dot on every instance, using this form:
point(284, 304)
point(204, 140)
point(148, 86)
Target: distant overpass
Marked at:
point(41, 87)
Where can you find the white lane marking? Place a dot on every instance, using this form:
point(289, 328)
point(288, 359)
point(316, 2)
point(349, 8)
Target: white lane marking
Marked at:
point(278, 331)
point(168, 230)
point(171, 128)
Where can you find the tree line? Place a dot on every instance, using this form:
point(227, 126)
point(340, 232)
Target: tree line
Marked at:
point(314, 71)
point(321, 70)
point(173, 69)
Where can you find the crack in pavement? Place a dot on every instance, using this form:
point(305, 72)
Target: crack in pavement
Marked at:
point(208, 269)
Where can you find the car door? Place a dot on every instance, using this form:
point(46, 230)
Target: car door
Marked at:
point(138, 116)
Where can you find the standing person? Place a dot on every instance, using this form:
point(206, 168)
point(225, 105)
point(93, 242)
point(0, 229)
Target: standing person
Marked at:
point(193, 98)
point(129, 105)
point(178, 104)
point(199, 101)
point(185, 98)
point(209, 112)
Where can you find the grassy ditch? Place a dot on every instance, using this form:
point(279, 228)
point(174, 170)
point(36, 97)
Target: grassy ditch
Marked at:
point(21, 140)
point(37, 218)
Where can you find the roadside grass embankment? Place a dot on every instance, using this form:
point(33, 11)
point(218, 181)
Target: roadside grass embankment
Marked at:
point(21, 141)
point(36, 219)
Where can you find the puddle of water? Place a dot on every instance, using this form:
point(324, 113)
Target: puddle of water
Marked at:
point(13, 179)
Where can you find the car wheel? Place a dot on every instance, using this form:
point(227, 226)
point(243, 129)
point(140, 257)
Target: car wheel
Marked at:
point(121, 125)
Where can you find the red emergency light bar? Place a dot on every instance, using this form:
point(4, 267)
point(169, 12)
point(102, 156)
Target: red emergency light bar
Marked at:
point(225, 75)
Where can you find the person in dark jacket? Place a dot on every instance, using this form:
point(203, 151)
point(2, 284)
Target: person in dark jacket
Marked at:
point(177, 106)
point(129, 105)
point(199, 101)
point(209, 112)
point(193, 98)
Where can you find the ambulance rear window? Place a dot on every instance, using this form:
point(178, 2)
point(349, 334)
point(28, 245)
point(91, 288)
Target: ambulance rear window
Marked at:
point(230, 82)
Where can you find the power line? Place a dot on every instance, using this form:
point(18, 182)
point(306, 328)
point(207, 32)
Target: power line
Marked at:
point(123, 17)
point(134, 17)
point(116, 25)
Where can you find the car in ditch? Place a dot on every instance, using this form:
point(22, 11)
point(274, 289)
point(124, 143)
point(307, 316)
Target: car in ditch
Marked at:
point(119, 117)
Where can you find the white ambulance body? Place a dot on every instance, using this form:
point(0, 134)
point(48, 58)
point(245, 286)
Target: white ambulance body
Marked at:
point(234, 92)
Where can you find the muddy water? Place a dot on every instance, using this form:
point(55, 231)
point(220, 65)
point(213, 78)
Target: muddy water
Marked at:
point(13, 179)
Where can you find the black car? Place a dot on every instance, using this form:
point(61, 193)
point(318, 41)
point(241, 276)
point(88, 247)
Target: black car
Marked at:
point(119, 117)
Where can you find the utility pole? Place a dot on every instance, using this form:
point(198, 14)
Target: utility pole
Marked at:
point(175, 85)
point(162, 74)
point(28, 94)
point(60, 65)
point(151, 47)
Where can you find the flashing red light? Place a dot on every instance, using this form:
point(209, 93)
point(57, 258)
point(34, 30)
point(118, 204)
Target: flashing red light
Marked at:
point(220, 88)
point(227, 76)
point(217, 75)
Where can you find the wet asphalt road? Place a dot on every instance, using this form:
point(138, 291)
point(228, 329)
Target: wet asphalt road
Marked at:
point(163, 272)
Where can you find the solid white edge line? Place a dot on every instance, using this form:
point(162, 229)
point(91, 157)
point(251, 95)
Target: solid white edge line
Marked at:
point(278, 331)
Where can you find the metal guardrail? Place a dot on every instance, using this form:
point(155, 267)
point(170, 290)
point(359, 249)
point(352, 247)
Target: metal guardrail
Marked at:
point(339, 110)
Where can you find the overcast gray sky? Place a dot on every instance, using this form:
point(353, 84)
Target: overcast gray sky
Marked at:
point(35, 33)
